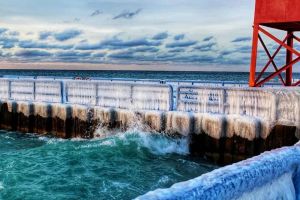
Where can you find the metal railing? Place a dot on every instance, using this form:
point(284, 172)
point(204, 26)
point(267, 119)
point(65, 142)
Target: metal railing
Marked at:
point(89, 92)
point(144, 94)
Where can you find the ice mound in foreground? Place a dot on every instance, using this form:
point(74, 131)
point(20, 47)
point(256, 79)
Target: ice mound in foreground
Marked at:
point(272, 175)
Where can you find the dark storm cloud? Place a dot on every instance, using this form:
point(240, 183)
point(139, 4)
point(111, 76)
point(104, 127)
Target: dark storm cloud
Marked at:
point(8, 42)
point(244, 60)
point(160, 36)
point(98, 55)
point(226, 52)
point(234, 51)
point(147, 49)
point(181, 44)
point(32, 53)
point(44, 35)
point(206, 47)
point(3, 30)
point(116, 43)
point(165, 56)
point(244, 49)
point(29, 44)
point(136, 54)
point(206, 39)
point(194, 59)
point(66, 35)
point(87, 46)
point(162, 57)
point(14, 33)
point(76, 19)
point(128, 14)
point(66, 54)
point(178, 50)
point(59, 56)
point(242, 39)
point(78, 56)
point(96, 12)
point(144, 50)
point(122, 55)
point(179, 37)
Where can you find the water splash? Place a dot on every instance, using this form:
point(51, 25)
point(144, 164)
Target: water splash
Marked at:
point(157, 143)
point(93, 169)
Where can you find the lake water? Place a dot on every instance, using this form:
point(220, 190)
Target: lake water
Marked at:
point(213, 76)
point(122, 166)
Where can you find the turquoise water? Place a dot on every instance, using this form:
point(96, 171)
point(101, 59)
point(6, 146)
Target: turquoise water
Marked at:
point(122, 166)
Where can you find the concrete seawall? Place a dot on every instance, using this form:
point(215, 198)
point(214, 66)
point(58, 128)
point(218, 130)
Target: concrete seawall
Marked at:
point(220, 138)
point(223, 124)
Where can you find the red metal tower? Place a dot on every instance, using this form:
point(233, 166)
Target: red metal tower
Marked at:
point(283, 15)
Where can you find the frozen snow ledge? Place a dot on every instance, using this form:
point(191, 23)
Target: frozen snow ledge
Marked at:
point(272, 175)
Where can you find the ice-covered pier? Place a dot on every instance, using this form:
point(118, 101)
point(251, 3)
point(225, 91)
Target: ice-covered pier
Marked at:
point(272, 175)
point(223, 123)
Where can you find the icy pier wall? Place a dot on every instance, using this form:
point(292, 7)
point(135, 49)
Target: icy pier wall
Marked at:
point(224, 124)
point(264, 107)
point(272, 175)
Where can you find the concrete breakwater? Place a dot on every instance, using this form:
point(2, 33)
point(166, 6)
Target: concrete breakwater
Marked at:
point(223, 124)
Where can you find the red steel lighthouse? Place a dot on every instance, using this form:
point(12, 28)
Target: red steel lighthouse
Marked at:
point(282, 15)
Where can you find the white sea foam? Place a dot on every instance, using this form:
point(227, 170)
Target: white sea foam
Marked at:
point(1, 186)
point(50, 140)
point(157, 143)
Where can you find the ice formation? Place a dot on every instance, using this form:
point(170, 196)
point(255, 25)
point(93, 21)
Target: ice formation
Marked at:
point(155, 120)
point(272, 175)
point(81, 112)
point(48, 91)
point(4, 89)
point(11, 106)
point(281, 188)
point(81, 92)
point(26, 108)
point(61, 111)
point(254, 110)
point(179, 123)
point(217, 111)
point(119, 95)
point(126, 118)
point(93, 93)
point(213, 125)
point(42, 109)
point(243, 126)
point(104, 115)
point(22, 90)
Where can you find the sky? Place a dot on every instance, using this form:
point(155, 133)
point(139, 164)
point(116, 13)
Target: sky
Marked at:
point(126, 34)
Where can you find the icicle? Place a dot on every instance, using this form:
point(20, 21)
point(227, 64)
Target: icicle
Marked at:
point(179, 123)
point(213, 125)
point(42, 109)
point(155, 120)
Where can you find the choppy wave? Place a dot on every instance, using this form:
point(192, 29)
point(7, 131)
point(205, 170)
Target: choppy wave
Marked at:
point(121, 166)
point(155, 143)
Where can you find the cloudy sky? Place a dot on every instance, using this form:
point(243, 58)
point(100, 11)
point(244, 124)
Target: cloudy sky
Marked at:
point(179, 34)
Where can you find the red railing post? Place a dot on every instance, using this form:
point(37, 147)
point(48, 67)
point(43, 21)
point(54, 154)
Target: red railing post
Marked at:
point(253, 56)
